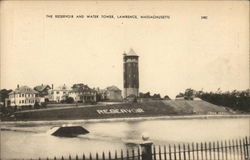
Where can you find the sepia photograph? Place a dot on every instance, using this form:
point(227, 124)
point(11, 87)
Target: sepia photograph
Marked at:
point(124, 80)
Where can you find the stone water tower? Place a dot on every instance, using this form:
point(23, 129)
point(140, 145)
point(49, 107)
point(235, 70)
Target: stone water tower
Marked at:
point(130, 74)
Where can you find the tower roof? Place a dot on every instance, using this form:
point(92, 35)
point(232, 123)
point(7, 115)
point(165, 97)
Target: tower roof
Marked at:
point(131, 53)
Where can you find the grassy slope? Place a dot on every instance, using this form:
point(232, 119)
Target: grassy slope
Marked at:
point(152, 108)
point(199, 106)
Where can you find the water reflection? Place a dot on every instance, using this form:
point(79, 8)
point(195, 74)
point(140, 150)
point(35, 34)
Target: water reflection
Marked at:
point(29, 140)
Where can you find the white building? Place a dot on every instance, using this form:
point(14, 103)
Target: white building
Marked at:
point(23, 96)
point(58, 94)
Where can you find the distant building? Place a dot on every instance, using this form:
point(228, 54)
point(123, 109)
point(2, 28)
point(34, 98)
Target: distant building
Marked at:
point(101, 94)
point(130, 74)
point(82, 93)
point(179, 98)
point(197, 99)
point(58, 94)
point(113, 93)
point(43, 91)
point(23, 96)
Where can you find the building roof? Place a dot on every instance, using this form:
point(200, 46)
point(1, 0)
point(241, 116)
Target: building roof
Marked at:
point(113, 88)
point(24, 90)
point(61, 88)
point(130, 53)
point(81, 88)
point(41, 88)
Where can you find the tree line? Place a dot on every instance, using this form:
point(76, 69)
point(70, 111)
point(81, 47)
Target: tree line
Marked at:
point(236, 100)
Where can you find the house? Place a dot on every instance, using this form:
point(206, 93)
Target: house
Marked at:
point(43, 91)
point(23, 96)
point(113, 93)
point(82, 93)
point(179, 97)
point(58, 94)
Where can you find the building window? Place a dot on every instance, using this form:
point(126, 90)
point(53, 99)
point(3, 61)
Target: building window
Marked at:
point(57, 92)
point(22, 101)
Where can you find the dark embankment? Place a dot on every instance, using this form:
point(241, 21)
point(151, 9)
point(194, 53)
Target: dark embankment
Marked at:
point(153, 108)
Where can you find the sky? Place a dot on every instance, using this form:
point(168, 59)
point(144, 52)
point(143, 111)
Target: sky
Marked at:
point(182, 52)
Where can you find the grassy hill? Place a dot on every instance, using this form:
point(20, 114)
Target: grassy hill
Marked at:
point(196, 107)
point(142, 109)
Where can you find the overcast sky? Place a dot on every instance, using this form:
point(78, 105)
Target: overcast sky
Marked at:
point(182, 52)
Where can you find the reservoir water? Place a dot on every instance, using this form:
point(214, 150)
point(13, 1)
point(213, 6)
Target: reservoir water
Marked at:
point(30, 140)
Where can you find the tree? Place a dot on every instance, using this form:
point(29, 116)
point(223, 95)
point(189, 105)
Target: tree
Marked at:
point(156, 96)
point(179, 95)
point(236, 100)
point(145, 95)
point(69, 100)
point(167, 97)
point(189, 94)
point(4, 94)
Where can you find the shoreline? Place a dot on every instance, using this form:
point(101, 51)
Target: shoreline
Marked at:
point(176, 117)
